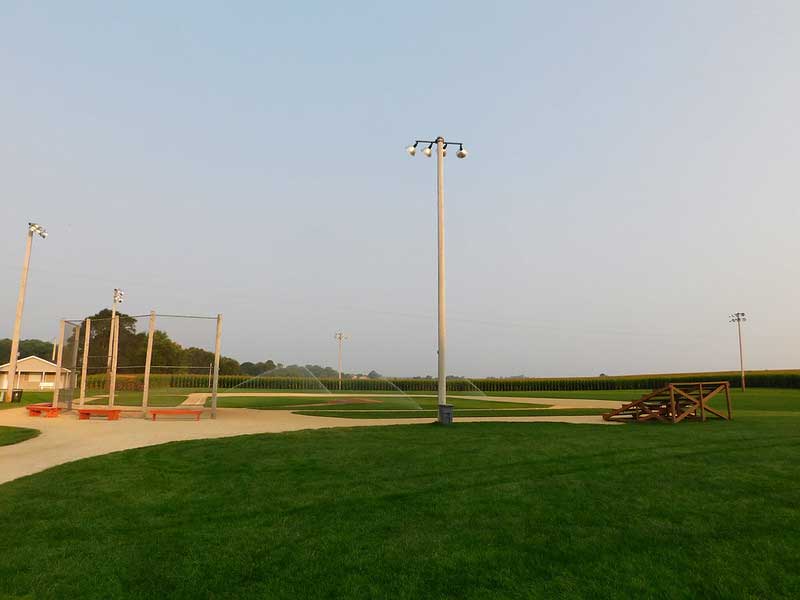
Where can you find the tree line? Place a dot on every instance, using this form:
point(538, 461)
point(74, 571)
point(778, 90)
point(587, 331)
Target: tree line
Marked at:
point(168, 355)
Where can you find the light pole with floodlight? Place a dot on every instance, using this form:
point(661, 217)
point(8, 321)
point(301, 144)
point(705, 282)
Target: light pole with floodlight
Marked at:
point(33, 228)
point(445, 410)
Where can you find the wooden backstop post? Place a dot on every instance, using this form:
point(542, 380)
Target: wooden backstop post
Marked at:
point(85, 365)
point(57, 383)
point(215, 382)
point(147, 361)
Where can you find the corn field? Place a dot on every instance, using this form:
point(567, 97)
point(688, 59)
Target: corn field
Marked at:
point(244, 382)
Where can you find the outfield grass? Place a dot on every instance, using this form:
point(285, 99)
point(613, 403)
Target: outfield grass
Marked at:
point(470, 511)
point(621, 395)
point(752, 399)
point(15, 435)
point(28, 398)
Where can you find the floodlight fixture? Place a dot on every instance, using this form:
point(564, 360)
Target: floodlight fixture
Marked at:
point(38, 229)
point(428, 150)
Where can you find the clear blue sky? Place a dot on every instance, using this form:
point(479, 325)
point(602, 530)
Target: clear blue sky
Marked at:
point(634, 177)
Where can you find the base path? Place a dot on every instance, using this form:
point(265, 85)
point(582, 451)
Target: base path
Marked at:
point(66, 438)
point(199, 398)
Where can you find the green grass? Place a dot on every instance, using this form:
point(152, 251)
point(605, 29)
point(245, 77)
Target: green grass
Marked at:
point(621, 395)
point(752, 399)
point(15, 435)
point(418, 414)
point(761, 399)
point(167, 397)
point(28, 398)
point(470, 511)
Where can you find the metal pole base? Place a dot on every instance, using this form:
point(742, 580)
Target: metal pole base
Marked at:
point(445, 414)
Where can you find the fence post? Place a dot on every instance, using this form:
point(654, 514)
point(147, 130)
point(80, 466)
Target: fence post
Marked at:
point(57, 383)
point(147, 361)
point(215, 382)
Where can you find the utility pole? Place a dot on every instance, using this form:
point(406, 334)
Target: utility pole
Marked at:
point(23, 284)
point(445, 410)
point(340, 337)
point(739, 318)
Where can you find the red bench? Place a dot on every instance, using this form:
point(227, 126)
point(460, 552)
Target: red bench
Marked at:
point(112, 414)
point(43, 410)
point(176, 411)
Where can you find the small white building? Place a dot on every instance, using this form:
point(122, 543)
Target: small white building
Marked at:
point(34, 373)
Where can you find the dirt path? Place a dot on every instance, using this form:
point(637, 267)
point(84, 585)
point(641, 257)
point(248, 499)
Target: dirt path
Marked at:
point(199, 398)
point(65, 438)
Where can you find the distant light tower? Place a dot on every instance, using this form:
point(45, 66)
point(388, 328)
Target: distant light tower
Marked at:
point(33, 228)
point(739, 318)
point(340, 337)
point(119, 297)
point(445, 411)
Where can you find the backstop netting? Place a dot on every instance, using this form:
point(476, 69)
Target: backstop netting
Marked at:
point(67, 363)
point(146, 360)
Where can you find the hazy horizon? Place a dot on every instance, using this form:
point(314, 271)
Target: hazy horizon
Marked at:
point(632, 180)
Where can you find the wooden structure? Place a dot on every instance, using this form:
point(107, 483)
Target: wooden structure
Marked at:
point(111, 414)
point(675, 402)
point(176, 411)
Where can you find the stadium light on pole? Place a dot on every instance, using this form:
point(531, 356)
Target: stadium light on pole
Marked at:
point(445, 410)
point(33, 228)
point(739, 318)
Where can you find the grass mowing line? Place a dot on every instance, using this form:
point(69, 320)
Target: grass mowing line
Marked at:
point(423, 414)
point(532, 511)
point(15, 435)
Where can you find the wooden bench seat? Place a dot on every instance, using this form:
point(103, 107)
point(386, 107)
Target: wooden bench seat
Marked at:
point(43, 410)
point(176, 411)
point(112, 414)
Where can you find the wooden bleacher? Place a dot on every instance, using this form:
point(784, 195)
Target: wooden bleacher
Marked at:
point(675, 402)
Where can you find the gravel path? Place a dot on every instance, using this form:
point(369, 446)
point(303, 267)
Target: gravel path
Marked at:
point(65, 438)
point(199, 398)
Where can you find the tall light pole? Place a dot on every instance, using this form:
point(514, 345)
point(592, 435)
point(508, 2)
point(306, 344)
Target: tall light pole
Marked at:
point(119, 296)
point(340, 337)
point(739, 318)
point(445, 410)
point(33, 228)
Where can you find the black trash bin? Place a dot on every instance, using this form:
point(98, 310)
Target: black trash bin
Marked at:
point(16, 396)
